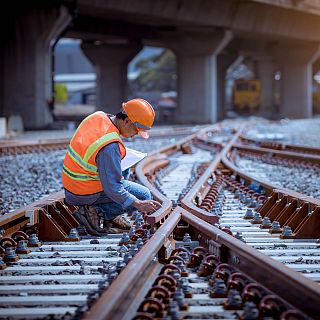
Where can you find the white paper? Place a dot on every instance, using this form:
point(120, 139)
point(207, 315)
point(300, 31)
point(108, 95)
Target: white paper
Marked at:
point(132, 157)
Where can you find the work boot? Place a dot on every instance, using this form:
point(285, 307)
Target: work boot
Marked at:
point(85, 225)
point(88, 218)
point(81, 229)
point(121, 222)
point(92, 216)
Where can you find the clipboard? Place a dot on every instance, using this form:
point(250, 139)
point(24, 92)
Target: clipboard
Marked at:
point(132, 157)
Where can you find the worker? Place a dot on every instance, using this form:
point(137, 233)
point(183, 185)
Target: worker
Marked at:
point(92, 176)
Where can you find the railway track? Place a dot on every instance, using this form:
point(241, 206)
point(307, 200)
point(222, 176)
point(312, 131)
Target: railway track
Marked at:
point(32, 169)
point(225, 244)
point(270, 230)
point(299, 173)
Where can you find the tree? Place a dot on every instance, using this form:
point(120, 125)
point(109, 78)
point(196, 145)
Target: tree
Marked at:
point(156, 73)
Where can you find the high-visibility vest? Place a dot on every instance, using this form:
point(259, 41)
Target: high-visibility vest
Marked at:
point(80, 173)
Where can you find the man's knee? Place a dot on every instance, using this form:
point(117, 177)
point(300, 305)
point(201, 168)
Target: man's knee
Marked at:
point(144, 193)
point(139, 191)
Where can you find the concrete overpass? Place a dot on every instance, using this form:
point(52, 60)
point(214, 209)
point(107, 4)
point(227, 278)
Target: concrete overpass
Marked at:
point(206, 35)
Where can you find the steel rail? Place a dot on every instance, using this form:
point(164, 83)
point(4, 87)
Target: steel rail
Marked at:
point(307, 224)
point(202, 184)
point(21, 147)
point(15, 147)
point(290, 285)
point(279, 153)
point(155, 160)
point(25, 215)
point(117, 302)
point(114, 302)
point(281, 146)
point(266, 185)
point(149, 165)
point(14, 220)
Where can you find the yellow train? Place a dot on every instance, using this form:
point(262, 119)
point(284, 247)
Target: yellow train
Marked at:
point(246, 95)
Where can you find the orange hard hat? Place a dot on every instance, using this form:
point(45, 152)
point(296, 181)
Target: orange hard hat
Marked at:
point(141, 114)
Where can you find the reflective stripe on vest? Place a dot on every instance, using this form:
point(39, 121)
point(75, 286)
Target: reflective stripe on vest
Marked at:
point(79, 176)
point(98, 143)
point(77, 158)
point(90, 151)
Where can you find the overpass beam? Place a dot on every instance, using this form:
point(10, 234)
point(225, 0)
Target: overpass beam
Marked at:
point(27, 67)
point(111, 61)
point(197, 75)
point(295, 62)
point(316, 67)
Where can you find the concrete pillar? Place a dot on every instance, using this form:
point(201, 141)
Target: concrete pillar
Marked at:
point(265, 69)
point(224, 61)
point(316, 67)
point(111, 61)
point(2, 81)
point(27, 71)
point(295, 62)
point(197, 75)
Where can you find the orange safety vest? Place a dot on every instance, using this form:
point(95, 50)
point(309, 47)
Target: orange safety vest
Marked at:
point(80, 173)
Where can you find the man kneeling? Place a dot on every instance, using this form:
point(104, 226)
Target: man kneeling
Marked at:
point(91, 174)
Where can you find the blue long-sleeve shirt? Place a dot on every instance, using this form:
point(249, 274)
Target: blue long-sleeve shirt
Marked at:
point(109, 168)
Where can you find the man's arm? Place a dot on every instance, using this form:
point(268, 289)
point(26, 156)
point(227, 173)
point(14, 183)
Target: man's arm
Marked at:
point(146, 205)
point(109, 168)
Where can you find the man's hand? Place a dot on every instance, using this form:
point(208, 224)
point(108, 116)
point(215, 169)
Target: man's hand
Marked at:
point(146, 205)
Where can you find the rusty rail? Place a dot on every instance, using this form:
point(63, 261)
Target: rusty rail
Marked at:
point(20, 147)
point(267, 186)
point(295, 148)
point(128, 287)
point(115, 302)
point(27, 214)
point(50, 216)
point(293, 287)
point(202, 184)
point(149, 165)
point(279, 153)
point(156, 160)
